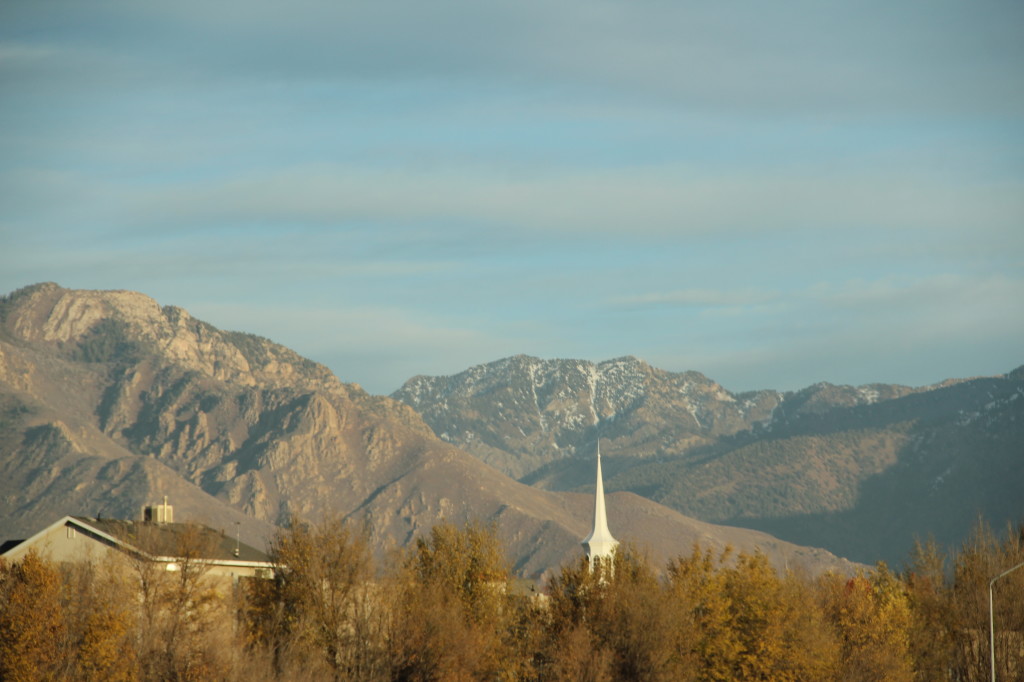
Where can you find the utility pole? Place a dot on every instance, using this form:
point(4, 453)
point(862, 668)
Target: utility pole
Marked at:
point(992, 619)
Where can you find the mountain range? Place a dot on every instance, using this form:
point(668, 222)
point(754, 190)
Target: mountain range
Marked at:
point(861, 471)
point(109, 401)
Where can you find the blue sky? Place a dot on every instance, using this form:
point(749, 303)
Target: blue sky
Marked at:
point(773, 194)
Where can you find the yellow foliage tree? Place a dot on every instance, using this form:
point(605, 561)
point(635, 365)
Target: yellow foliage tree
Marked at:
point(871, 616)
point(572, 649)
point(99, 604)
point(32, 624)
point(699, 588)
point(933, 629)
point(982, 557)
point(639, 625)
point(322, 605)
point(183, 633)
point(746, 622)
point(780, 631)
point(455, 617)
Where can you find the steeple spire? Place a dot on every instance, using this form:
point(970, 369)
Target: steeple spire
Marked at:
point(599, 544)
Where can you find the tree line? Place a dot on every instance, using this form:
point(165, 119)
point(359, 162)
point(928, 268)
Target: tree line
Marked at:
point(448, 608)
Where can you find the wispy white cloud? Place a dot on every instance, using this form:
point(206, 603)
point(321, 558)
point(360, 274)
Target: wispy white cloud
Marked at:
point(653, 200)
point(443, 183)
point(913, 330)
point(838, 59)
point(698, 298)
point(378, 347)
point(951, 292)
point(14, 54)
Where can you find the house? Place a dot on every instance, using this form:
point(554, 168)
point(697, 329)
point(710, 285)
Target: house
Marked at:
point(156, 538)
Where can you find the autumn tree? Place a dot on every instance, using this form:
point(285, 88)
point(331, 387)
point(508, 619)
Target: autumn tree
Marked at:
point(697, 586)
point(32, 623)
point(744, 621)
point(576, 604)
point(445, 610)
point(981, 558)
point(933, 628)
point(183, 631)
point(1008, 606)
point(98, 601)
point(618, 622)
point(455, 617)
point(780, 631)
point(870, 614)
point(323, 614)
point(638, 624)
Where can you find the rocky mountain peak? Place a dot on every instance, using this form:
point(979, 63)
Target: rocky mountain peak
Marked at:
point(119, 326)
point(521, 413)
point(49, 313)
point(799, 463)
point(108, 400)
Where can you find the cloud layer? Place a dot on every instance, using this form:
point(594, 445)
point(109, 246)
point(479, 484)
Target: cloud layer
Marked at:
point(771, 194)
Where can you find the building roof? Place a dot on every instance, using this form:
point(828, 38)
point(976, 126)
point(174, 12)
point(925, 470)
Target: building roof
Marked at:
point(157, 541)
point(164, 539)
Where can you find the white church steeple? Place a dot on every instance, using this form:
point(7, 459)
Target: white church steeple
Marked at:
point(599, 544)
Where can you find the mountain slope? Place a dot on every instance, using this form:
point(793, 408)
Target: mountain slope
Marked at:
point(861, 471)
point(522, 413)
point(110, 401)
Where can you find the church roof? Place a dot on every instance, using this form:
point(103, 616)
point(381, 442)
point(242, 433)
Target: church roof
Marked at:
point(155, 541)
point(164, 538)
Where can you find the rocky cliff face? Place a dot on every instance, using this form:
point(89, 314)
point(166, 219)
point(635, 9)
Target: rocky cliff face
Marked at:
point(122, 326)
point(522, 413)
point(861, 470)
point(108, 401)
point(226, 411)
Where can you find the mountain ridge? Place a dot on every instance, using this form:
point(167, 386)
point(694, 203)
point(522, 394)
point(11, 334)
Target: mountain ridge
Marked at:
point(815, 466)
point(110, 400)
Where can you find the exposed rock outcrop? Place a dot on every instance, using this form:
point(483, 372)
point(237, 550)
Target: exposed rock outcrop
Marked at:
point(861, 470)
point(108, 401)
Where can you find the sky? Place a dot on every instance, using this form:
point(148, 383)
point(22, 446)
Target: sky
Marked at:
point(773, 194)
